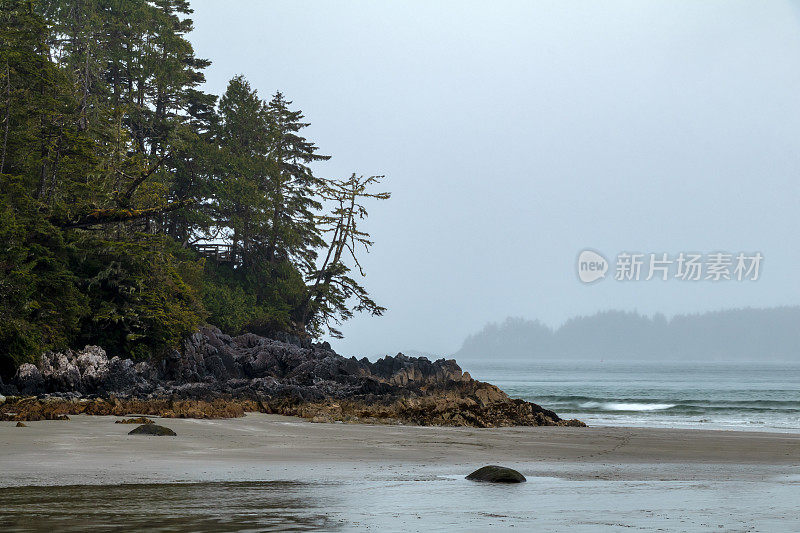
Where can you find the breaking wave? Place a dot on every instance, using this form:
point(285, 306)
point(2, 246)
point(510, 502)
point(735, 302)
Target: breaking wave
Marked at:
point(625, 406)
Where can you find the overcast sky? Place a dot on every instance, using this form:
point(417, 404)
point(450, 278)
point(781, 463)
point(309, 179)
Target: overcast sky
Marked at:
point(515, 134)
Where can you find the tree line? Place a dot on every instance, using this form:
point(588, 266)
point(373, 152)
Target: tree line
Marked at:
point(114, 163)
point(747, 334)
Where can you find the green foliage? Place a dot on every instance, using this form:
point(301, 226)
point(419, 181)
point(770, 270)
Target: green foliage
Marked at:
point(261, 301)
point(40, 305)
point(230, 307)
point(142, 297)
point(114, 165)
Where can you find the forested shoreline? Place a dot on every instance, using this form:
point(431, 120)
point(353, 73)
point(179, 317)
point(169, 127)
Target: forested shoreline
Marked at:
point(748, 334)
point(115, 165)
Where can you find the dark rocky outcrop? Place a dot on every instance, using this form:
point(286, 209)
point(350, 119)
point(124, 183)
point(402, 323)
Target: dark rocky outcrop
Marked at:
point(496, 474)
point(152, 429)
point(216, 375)
point(21, 425)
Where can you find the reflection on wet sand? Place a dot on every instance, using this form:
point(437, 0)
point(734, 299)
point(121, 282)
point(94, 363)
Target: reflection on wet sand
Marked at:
point(250, 506)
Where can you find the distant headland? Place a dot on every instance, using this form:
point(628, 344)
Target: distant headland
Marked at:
point(748, 334)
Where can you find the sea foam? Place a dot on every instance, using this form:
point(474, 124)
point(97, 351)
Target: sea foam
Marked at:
point(625, 406)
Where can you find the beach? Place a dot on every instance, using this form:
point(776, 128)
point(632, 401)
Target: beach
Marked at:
point(358, 476)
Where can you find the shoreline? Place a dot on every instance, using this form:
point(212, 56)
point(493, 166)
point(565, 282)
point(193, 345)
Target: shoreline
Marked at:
point(92, 449)
point(271, 473)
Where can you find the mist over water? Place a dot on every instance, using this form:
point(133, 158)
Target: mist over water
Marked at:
point(729, 335)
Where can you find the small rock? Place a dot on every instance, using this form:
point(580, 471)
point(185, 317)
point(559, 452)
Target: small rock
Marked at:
point(21, 425)
point(61, 417)
point(153, 429)
point(496, 474)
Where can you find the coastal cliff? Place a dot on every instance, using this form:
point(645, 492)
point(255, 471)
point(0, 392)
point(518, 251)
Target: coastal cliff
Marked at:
point(216, 375)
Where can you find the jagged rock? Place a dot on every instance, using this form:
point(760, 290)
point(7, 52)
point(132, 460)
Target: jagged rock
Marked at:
point(287, 376)
point(496, 474)
point(121, 374)
point(152, 429)
point(60, 371)
point(28, 379)
point(93, 365)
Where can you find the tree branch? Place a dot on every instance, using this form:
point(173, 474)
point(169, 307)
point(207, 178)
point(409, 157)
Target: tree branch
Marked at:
point(113, 215)
point(126, 196)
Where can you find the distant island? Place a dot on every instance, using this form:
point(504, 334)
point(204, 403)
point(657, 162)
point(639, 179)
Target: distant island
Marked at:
point(747, 334)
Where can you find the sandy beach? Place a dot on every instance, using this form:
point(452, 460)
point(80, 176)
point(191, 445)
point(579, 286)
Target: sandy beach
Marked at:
point(360, 476)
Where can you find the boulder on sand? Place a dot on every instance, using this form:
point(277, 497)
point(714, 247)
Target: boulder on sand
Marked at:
point(21, 425)
point(152, 429)
point(496, 474)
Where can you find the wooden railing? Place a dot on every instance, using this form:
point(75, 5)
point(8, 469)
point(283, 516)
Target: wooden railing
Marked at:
point(221, 253)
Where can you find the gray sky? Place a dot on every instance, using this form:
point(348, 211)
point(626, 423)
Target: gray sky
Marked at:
point(515, 134)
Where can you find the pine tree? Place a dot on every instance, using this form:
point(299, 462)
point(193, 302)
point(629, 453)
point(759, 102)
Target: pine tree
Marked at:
point(243, 171)
point(39, 133)
point(293, 189)
point(136, 79)
point(40, 305)
point(331, 286)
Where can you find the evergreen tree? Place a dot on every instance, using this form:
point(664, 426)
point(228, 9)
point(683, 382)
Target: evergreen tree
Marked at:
point(251, 199)
point(332, 288)
point(40, 306)
point(243, 137)
point(136, 79)
point(41, 143)
point(114, 162)
point(293, 189)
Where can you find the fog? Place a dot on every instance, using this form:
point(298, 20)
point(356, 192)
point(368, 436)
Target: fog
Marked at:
point(516, 134)
point(756, 335)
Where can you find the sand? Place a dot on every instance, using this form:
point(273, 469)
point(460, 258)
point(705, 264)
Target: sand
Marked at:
point(628, 477)
point(96, 450)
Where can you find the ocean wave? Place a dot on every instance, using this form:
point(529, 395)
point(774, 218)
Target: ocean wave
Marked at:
point(680, 403)
point(740, 397)
point(626, 406)
point(690, 406)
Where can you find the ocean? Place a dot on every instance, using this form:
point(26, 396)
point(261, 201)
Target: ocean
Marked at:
point(735, 396)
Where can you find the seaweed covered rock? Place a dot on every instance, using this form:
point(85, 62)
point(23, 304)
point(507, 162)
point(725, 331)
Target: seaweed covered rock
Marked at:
point(138, 420)
point(287, 376)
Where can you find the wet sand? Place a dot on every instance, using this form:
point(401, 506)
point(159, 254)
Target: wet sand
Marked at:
point(615, 477)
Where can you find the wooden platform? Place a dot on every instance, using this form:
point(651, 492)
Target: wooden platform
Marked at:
point(221, 253)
